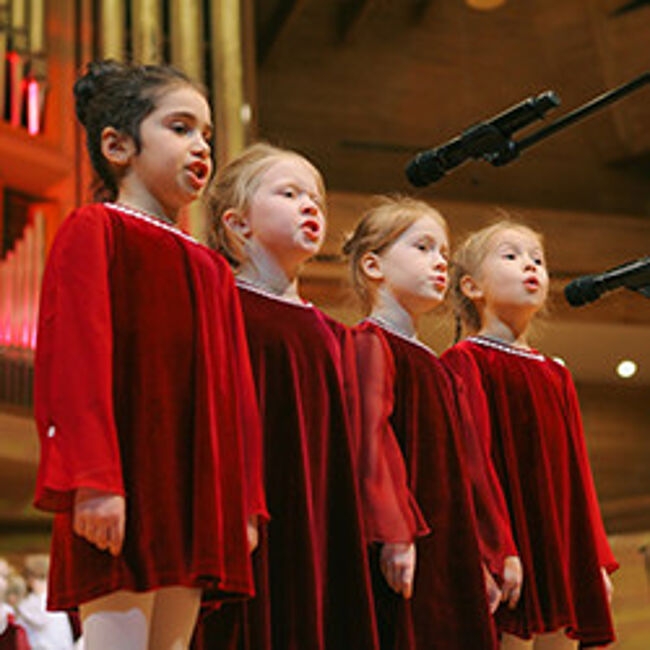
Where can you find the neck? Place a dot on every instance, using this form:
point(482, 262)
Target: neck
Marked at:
point(512, 333)
point(261, 270)
point(389, 311)
point(144, 202)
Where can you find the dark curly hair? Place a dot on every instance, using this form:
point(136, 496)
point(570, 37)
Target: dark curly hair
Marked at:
point(120, 95)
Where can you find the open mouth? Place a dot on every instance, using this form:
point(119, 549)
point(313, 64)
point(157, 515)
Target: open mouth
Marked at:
point(439, 283)
point(200, 171)
point(531, 283)
point(311, 228)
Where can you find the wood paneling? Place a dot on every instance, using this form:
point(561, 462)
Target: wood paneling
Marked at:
point(362, 107)
point(631, 602)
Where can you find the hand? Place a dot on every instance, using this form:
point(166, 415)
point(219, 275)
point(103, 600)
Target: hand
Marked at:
point(609, 587)
point(252, 533)
point(397, 563)
point(513, 576)
point(99, 517)
point(492, 590)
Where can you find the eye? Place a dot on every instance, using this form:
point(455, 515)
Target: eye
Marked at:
point(289, 192)
point(509, 256)
point(181, 128)
point(207, 136)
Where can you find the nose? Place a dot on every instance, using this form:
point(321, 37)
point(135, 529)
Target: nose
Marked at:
point(202, 146)
point(440, 262)
point(529, 263)
point(309, 206)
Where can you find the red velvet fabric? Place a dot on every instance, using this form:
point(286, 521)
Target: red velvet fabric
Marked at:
point(537, 443)
point(390, 511)
point(143, 388)
point(312, 578)
point(493, 519)
point(449, 608)
point(14, 636)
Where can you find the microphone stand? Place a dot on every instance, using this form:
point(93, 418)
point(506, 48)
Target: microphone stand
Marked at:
point(505, 155)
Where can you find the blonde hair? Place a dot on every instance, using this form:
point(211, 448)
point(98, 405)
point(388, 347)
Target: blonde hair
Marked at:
point(235, 184)
point(467, 261)
point(37, 566)
point(16, 588)
point(377, 230)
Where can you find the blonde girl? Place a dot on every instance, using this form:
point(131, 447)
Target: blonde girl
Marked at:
point(399, 263)
point(313, 584)
point(534, 434)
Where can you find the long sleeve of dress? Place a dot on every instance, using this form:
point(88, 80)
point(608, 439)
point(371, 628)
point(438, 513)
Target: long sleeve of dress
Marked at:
point(390, 511)
point(73, 367)
point(494, 526)
point(243, 389)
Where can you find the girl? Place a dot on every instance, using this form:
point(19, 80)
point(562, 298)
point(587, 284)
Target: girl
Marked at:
point(313, 588)
point(144, 398)
point(12, 634)
point(499, 283)
point(398, 255)
point(44, 629)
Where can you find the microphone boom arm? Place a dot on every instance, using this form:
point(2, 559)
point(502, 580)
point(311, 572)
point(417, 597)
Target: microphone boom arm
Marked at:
point(492, 140)
point(578, 114)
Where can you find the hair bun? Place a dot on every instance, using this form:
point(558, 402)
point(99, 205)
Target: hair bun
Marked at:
point(93, 83)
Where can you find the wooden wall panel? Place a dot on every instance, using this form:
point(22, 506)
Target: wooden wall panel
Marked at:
point(617, 424)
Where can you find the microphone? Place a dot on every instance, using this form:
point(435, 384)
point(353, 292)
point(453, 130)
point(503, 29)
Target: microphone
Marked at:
point(489, 140)
point(631, 275)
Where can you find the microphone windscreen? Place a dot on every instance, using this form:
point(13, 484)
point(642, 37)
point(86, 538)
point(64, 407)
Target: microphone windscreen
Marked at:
point(425, 168)
point(581, 291)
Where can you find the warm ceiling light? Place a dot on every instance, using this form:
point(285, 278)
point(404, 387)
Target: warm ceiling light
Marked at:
point(626, 369)
point(485, 5)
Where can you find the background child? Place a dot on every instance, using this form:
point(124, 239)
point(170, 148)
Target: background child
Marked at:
point(398, 255)
point(12, 635)
point(144, 398)
point(45, 630)
point(500, 282)
point(313, 587)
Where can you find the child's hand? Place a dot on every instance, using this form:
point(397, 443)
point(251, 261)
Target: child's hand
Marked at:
point(609, 587)
point(252, 533)
point(99, 517)
point(397, 562)
point(513, 575)
point(492, 590)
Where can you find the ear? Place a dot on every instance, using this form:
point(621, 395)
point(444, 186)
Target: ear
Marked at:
point(370, 264)
point(236, 223)
point(117, 147)
point(470, 288)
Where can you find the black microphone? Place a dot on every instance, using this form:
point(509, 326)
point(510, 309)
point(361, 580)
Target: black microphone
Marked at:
point(631, 275)
point(489, 139)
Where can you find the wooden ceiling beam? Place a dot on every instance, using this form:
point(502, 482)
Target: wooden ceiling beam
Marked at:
point(281, 16)
point(420, 10)
point(351, 15)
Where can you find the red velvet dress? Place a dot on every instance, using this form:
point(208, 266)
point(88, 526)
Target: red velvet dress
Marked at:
point(311, 572)
point(449, 609)
point(143, 388)
point(537, 443)
point(13, 637)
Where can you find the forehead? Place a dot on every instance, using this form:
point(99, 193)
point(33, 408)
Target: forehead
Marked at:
point(183, 98)
point(427, 225)
point(517, 237)
point(292, 169)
